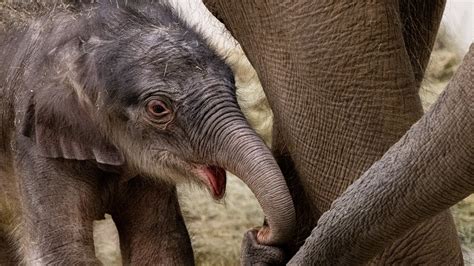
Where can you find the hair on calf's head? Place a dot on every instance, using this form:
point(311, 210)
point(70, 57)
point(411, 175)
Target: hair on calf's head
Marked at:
point(141, 47)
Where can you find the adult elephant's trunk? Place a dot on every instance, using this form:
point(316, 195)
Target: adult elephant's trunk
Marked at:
point(226, 140)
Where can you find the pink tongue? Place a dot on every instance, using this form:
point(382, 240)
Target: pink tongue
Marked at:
point(217, 178)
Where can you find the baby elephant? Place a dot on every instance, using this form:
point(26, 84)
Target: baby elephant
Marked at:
point(103, 108)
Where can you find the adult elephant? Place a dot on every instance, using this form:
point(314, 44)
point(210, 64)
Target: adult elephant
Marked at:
point(342, 78)
point(428, 170)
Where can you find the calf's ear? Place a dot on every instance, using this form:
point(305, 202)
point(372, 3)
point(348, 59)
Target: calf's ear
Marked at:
point(62, 116)
point(62, 127)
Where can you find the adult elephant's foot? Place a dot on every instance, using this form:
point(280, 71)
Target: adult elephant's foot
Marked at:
point(254, 253)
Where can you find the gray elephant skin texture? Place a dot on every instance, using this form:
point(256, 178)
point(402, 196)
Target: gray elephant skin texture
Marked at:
point(343, 79)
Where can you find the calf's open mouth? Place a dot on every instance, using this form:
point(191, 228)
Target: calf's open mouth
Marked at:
point(214, 177)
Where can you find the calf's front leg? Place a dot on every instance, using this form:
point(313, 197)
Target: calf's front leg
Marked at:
point(150, 224)
point(60, 200)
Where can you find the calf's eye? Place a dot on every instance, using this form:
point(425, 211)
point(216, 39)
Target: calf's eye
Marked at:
point(158, 108)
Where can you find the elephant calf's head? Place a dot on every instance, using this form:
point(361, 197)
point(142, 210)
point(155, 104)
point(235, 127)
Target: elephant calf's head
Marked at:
point(146, 91)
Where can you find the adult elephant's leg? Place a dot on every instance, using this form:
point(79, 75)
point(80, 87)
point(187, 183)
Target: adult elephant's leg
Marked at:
point(150, 224)
point(430, 169)
point(341, 83)
point(420, 22)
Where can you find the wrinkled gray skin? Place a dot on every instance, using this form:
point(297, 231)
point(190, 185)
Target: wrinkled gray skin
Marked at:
point(342, 78)
point(413, 191)
point(103, 108)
